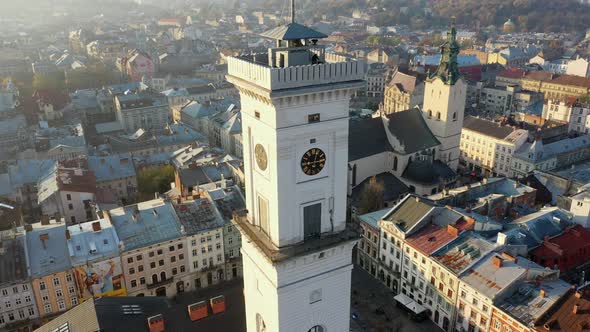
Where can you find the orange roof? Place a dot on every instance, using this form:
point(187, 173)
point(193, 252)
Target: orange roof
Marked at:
point(572, 80)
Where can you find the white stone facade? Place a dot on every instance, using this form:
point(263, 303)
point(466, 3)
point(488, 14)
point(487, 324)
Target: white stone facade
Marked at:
point(443, 110)
point(286, 112)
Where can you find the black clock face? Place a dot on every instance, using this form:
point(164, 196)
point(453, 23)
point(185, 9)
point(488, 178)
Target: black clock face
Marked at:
point(313, 161)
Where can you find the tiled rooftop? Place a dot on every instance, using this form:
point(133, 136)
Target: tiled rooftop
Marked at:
point(494, 272)
point(430, 238)
point(527, 305)
point(90, 241)
point(409, 212)
point(198, 216)
point(462, 252)
point(113, 167)
point(145, 223)
point(47, 250)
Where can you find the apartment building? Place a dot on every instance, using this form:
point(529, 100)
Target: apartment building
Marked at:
point(153, 250)
point(142, 110)
point(18, 301)
point(405, 91)
point(50, 270)
point(572, 112)
point(93, 249)
point(203, 228)
point(488, 147)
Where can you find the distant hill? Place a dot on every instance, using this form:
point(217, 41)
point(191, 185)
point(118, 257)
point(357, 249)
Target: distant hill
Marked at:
point(528, 15)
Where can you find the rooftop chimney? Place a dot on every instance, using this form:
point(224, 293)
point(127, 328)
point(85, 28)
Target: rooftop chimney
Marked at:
point(497, 261)
point(576, 308)
point(509, 257)
point(96, 226)
point(578, 295)
point(542, 293)
point(454, 231)
point(156, 323)
point(67, 234)
point(44, 220)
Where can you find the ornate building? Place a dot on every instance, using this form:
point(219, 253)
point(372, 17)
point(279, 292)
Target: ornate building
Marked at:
point(297, 251)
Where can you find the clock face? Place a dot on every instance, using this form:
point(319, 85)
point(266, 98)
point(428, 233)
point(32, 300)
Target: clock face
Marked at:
point(261, 159)
point(313, 161)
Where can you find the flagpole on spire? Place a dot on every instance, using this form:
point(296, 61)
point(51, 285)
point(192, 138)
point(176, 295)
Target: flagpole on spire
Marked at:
point(292, 11)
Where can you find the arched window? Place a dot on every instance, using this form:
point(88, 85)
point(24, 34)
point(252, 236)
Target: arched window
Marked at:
point(163, 275)
point(429, 113)
point(395, 163)
point(438, 115)
point(154, 278)
point(317, 328)
point(455, 116)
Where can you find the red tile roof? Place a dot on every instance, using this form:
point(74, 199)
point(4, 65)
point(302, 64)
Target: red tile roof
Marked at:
point(513, 73)
point(429, 239)
point(76, 180)
point(539, 75)
point(561, 316)
point(572, 80)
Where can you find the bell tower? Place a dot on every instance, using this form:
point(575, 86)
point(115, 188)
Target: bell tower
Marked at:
point(296, 248)
point(445, 93)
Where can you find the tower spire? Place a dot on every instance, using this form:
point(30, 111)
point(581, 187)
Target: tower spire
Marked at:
point(448, 69)
point(292, 11)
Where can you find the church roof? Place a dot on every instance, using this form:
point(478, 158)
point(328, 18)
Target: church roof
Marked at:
point(292, 31)
point(427, 172)
point(366, 138)
point(411, 131)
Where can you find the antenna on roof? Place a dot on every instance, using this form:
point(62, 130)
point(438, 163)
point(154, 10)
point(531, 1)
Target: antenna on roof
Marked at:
point(292, 11)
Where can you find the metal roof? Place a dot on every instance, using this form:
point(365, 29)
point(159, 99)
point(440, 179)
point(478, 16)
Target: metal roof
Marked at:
point(292, 31)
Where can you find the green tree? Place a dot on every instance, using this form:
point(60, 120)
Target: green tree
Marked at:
point(154, 179)
point(51, 81)
point(94, 76)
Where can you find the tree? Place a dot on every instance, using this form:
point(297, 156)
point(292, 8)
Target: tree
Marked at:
point(371, 198)
point(154, 179)
point(51, 81)
point(94, 76)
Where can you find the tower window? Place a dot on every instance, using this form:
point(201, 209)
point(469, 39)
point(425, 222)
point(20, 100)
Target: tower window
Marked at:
point(429, 113)
point(312, 141)
point(438, 115)
point(455, 116)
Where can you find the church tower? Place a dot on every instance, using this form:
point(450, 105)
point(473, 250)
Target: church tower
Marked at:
point(444, 101)
point(296, 248)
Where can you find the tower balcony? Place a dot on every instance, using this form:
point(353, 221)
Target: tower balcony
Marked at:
point(276, 254)
point(331, 68)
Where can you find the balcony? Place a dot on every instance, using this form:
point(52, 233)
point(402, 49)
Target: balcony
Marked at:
point(276, 254)
point(160, 283)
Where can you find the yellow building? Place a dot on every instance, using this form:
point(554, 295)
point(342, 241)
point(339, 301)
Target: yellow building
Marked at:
point(403, 92)
point(565, 87)
point(52, 277)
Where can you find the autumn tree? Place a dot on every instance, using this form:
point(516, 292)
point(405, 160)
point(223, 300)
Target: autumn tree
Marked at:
point(371, 198)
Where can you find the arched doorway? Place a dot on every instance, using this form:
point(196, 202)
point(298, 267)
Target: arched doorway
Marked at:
point(154, 278)
point(209, 278)
point(317, 328)
point(436, 317)
point(446, 323)
point(220, 274)
point(163, 275)
point(161, 291)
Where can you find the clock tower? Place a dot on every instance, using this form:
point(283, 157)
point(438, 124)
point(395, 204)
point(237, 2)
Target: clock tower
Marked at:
point(295, 245)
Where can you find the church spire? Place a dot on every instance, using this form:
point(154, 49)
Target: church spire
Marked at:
point(448, 69)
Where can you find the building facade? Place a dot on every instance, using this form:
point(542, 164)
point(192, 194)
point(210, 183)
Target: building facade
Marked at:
point(295, 156)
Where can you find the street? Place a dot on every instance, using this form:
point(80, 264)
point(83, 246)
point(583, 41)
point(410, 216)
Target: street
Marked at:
point(369, 295)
